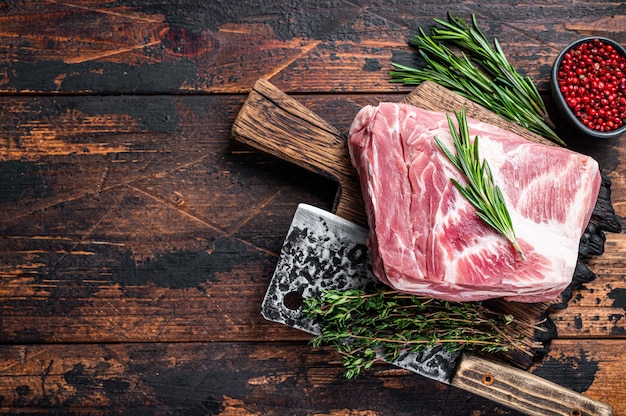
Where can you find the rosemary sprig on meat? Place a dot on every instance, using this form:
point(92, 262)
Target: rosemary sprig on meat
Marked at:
point(480, 73)
point(367, 326)
point(480, 191)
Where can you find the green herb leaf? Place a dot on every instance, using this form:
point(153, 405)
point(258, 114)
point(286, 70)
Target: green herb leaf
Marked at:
point(396, 323)
point(481, 73)
point(481, 191)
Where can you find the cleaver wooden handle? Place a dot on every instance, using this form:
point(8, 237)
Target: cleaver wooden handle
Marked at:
point(523, 391)
point(274, 123)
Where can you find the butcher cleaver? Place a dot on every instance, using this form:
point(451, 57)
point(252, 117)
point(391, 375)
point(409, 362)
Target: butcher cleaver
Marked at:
point(324, 251)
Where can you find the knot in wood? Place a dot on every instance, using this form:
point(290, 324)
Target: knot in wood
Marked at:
point(177, 198)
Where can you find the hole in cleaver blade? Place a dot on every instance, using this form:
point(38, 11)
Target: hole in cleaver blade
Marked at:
point(323, 251)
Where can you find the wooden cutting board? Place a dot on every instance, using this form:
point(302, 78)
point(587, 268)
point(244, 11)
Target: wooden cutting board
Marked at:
point(277, 124)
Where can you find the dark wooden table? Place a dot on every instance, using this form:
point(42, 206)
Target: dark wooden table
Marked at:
point(137, 239)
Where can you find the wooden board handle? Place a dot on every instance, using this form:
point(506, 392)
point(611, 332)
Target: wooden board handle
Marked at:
point(523, 391)
point(274, 123)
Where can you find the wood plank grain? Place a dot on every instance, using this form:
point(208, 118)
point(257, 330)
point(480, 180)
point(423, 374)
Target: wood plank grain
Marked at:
point(136, 240)
point(108, 245)
point(125, 47)
point(142, 204)
point(247, 379)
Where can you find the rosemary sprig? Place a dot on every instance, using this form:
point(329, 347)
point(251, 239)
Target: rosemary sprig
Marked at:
point(481, 73)
point(480, 191)
point(367, 326)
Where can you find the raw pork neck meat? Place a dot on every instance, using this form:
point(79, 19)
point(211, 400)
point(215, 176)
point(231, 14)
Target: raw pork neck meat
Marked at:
point(425, 237)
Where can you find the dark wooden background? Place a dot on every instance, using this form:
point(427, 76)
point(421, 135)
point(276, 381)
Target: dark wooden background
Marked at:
point(137, 240)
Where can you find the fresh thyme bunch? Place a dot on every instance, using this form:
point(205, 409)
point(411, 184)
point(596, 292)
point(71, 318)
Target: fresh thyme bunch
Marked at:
point(481, 73)
point(366, 326)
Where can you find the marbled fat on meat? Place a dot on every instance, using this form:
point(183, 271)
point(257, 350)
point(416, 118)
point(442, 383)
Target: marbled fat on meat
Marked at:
point(425, 237)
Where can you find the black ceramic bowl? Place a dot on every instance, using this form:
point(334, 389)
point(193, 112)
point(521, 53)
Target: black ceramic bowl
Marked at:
point(568, 113)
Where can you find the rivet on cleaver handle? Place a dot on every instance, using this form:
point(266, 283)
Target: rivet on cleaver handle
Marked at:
point(324, 251)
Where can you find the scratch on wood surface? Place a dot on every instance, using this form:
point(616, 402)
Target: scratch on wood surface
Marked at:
point(82, 59)
point(214, 227)
point(23, 354)
point(226, 316)
point(254, 211)
point(306, 49)
point(265, 380)
point(104, 243)
point(90, 231)
point(102, 179)
point(58, 238)
point(255, 29)
point(383, 44)
point(48, 203)
point(614, 25)
point(348, 412)
point(39, 237)
point(132, 16)
point(238, 30)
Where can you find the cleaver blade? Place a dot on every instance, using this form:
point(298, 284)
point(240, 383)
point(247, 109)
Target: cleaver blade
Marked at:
point(324, 251)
